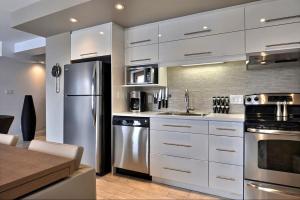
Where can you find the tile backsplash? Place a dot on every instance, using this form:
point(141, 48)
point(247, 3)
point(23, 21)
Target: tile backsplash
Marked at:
point(226, 79)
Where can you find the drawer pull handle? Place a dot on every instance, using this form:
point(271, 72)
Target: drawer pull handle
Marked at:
point(86, 54)
point(225, 178)
point(197, 32)
point(176, 126)
point(139, 60)
point(141, 41)
point(178, 145)
point(282, 18)
point(282, 44)
point(226, 150)
point(177, 170)
point(226, 129)
point(197, 54)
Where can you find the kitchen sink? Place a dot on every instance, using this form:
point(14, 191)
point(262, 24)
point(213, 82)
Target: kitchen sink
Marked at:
point(183, 114)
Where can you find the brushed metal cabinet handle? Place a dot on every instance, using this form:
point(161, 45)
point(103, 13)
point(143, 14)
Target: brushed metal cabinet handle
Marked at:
point(140, 41)
point(86, 54)
point(282, 44)
point(226, 129)
point(226, 150)
point(176, 126)
point(197, 54)
point(177, 170)
point(178, 145)
point(282, 18)
point(197, 32)
point(139, 60)
point(225, 178)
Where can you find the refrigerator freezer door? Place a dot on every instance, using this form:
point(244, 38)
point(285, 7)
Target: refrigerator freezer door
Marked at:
point(82, 126)
point(83, 78)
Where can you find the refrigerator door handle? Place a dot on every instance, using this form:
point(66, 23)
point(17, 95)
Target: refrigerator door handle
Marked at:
point(93, 87)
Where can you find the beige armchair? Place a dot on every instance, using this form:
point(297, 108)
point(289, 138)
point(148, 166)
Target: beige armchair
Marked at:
point(80, 185)
point(10, 140)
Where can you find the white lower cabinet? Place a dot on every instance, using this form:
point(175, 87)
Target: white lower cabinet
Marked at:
point(226, 149)
point(178, 169)
point(227, 178)
point(186, 145)
point(205, 156)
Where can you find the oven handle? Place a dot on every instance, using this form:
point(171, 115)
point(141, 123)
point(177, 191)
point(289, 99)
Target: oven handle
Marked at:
point(274, 132)
point(272, 190)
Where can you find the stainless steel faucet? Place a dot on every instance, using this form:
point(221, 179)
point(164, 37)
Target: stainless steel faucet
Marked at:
point(187, 101)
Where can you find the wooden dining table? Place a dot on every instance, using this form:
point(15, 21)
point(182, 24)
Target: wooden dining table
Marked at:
point(23, 171)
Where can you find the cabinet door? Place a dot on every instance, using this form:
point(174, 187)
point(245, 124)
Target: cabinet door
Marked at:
point(272, 13)
point(91, 42)
point(202, 25)
point(187, 145)
point(141, 55)
point(273, 38)
point(141, 35)
point(203, 47)
point(225, 149)
point(227, 178)
point(182, 170)
point(233, 129)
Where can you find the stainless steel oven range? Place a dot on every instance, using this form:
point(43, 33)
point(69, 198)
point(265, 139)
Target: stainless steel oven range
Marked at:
point(272, 146)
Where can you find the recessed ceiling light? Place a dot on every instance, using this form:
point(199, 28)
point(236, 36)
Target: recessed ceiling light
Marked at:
point(101, 33)
point(73, 20)
point(119, 6)
point(159, 35)
point(205, 27)
point(262, 20)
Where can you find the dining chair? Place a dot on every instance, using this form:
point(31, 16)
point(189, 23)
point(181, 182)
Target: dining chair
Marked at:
point(63, 150)
point(10, 140)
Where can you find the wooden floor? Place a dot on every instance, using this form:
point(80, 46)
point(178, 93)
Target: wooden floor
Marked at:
point(121, 187)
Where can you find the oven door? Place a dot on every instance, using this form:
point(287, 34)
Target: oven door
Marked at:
point(273, 156)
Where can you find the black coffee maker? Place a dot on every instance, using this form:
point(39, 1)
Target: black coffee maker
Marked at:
point(137, 101)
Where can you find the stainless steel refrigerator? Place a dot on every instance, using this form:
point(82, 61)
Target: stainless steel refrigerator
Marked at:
point(87, 112)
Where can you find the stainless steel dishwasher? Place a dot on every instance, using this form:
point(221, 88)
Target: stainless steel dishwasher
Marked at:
point(131, 143)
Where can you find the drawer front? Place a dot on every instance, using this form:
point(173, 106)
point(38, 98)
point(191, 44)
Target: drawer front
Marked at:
point(273, 38)
point(202, 25)
point(91, 42)
point(179, 144)
point(141, 55)
point(141, 35)
point(179, 125)
point(183, 170)
point(228, 178)
point(227, 150)
point(226, 128)
point(273, 12)
point(203, 47)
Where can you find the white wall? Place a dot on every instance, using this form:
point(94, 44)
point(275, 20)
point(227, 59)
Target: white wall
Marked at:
point(23, 79)
point(58, 50)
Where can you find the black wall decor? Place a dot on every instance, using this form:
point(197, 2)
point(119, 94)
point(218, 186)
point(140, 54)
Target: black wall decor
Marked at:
point(5, 123)
point(28, 119)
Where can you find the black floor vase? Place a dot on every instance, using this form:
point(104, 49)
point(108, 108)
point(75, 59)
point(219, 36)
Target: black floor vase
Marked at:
point(28, 119)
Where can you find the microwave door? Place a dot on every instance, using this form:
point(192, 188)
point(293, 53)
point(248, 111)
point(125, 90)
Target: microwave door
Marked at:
point(137, 76)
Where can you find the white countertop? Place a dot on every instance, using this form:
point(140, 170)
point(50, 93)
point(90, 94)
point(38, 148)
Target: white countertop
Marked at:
point(211, 117)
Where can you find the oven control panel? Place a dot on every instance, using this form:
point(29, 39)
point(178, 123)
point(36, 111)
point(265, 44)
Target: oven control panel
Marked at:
point(272, 99)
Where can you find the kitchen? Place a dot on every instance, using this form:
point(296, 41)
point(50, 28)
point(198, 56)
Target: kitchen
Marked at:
point(196, 100)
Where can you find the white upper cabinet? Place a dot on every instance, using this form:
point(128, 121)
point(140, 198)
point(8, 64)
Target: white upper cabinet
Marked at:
point(273, 38)
point(141, 55)
point(141, 35)
point(202, 24)
point(202, 49)
point(272, 13)
point(91, 42)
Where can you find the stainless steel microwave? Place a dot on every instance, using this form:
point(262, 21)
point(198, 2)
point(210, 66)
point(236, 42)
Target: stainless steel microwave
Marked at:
point(140, 75)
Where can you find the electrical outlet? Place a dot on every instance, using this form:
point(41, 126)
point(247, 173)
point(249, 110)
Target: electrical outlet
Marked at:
point(236, 99)
point(9, 92)
point(150, 98)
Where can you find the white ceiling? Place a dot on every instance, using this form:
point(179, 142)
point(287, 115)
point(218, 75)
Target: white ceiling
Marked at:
point(8, 34)
point(95, 12)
